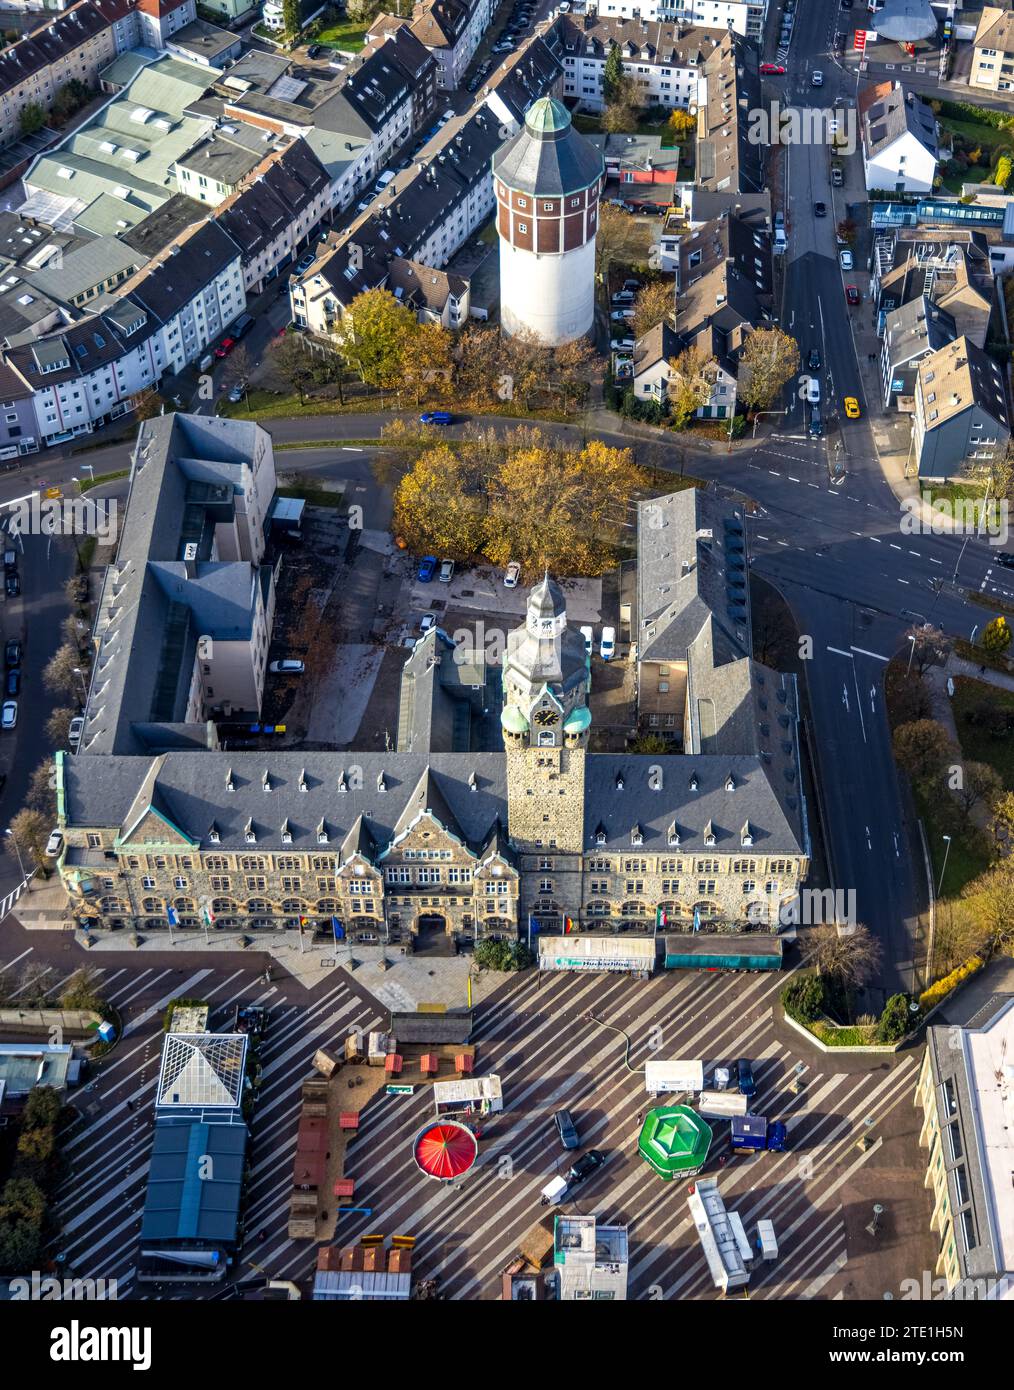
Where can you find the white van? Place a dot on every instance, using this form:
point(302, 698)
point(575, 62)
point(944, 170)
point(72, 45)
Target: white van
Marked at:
point(813, 390)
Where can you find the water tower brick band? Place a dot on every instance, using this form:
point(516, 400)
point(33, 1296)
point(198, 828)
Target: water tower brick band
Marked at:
point(548, 181)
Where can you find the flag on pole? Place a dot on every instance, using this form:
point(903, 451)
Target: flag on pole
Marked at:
point(697, 919)
point(661, 917)
point(568, 925)
point(303, 921)
point(337, 928)
point(533, 925)
point(172, 916)
point(209, 916)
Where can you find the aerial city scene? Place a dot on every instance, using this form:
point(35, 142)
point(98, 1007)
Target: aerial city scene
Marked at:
point(507, 738)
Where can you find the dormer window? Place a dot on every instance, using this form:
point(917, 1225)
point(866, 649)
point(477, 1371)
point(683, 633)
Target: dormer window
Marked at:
point(213, 835)
point(286, 833)
point(619, 781)
point(709, 834)
point(230, 785)
point(249, 834)
point(381, 783)
point(473, 784)
point(694, 784)
point(322, 833)
point(343, 786)
point(746, 835)
point(600, 835)
point(730, 783)
point(636, 836)
point(266, 781)
point(673, 836)
point(302, 781)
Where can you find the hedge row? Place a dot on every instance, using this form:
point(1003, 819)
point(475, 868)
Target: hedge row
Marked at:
point(941, 988)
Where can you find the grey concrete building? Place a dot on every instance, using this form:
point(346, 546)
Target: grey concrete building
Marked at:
point(961, 412)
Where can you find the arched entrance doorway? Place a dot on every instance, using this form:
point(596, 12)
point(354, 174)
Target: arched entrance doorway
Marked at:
point(430, 937)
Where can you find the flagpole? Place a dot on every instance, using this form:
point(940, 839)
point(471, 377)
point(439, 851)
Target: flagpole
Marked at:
point(207, 940)
point(169, 919)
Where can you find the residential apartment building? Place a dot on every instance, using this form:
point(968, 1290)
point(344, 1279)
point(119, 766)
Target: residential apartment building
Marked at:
point(75, 46)
point(193, 290)
point(964, 1093)
point(728, 91)
point(91, 372)
point(286, 197)
point(428, 211)
point(992, 67)
point(899, 139)
point(743, 17)
point(723, 291)
point(662, 59)
point(961, 412)
point(952, 269)
point(450, 30)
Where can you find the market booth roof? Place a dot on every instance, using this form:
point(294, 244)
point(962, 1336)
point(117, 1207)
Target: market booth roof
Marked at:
point(674, 1140)
point(445, 1150)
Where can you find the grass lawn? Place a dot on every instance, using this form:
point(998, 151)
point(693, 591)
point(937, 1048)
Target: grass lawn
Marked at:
point(964, 861)
point(86, 484)
point(976, 743)
point(315, 496)
point(975, 173)
point(589, 124)
point(349, 35)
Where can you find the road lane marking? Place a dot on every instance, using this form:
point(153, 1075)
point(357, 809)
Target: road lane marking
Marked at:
point(874, 539)
point(876, 655)
point(838, 652)
point(893, 546)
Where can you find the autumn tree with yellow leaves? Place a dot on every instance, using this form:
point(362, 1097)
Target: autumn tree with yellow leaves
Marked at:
point(519, 498)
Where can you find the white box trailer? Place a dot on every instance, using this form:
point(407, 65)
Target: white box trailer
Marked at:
point(673, 1076)
point(630, 954)
point(719, 1238)
point(722, 1105)
point(766, 1242)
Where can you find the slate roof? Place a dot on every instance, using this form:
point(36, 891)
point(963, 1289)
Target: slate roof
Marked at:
point(548, 156)
point(960, 376)
point(171, 281)
point(666, 44)
point(888, 114)
point(717, 314)
point(184, 474)
point(691, 569)
point(423, 286)
point(726, 158)
point(995, 29)
point(192, 787)
point(659, 344)
point(917, 328)
point(59, 36)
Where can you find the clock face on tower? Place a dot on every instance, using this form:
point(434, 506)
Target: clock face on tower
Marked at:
point(546, 718)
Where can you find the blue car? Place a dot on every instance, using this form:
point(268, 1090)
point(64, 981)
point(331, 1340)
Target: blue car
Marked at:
point(427, 569)
point(776, 1137)
point(435, 417)
point(747, 1084)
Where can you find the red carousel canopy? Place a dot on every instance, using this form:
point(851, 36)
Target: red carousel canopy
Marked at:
point(446, 1150)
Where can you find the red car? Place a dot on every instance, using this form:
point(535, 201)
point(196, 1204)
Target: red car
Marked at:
point(772, 70)
point(852, 294)
point(225, 347)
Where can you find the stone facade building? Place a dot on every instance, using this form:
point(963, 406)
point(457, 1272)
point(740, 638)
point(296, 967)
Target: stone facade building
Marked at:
point(161, 824)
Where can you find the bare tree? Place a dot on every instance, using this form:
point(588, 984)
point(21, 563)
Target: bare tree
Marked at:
point(929, 646)
point(849, 955)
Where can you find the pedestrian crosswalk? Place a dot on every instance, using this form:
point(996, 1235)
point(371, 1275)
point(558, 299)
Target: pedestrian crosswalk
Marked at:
point(554, 1045)
point(8, 901)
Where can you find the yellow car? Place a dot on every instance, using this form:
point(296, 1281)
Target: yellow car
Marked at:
point(852, 407)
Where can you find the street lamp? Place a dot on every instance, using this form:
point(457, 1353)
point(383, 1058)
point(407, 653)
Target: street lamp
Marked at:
point(84, 688)
point(911, 638)
point(947, 841)
point(17, 851)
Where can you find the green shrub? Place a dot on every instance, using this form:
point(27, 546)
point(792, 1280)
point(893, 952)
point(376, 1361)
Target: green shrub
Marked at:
point(502, 955)
point(894, 1021)
point(803, 998)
